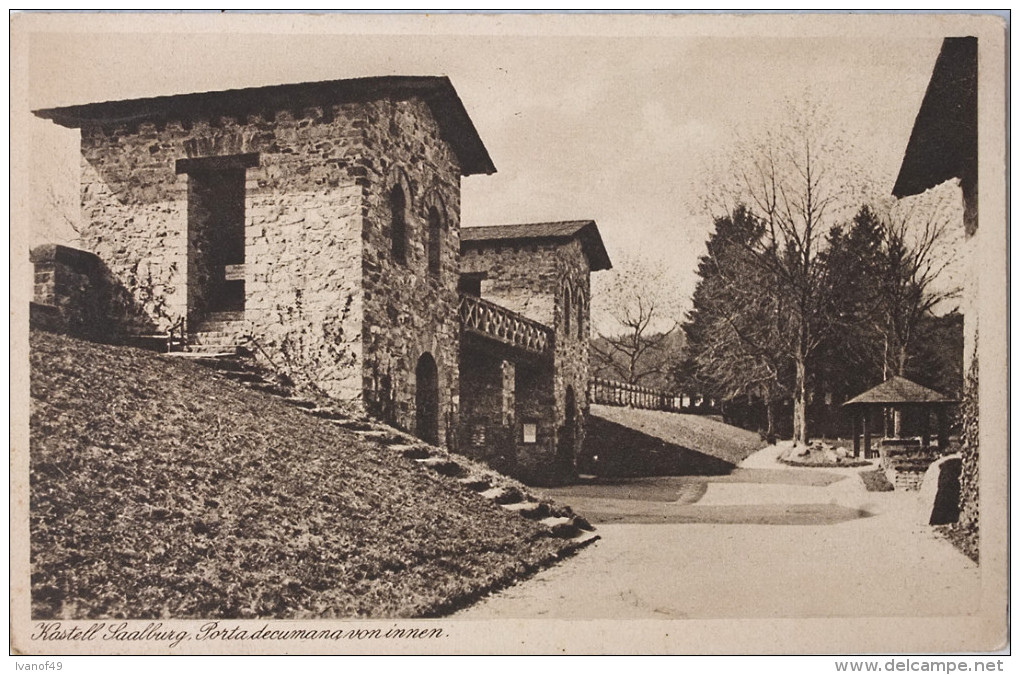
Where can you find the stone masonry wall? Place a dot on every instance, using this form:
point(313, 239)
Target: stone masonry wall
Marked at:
point(311, 209)
point(520, 278)
point(535, 463)
point(534, 280)
point(969, 476)
point(302, 227)
point(134, 215)
point(409, 310)
point(571, 358)
point(74, 294)
point(488, 408)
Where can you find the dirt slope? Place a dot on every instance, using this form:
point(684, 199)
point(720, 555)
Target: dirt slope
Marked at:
point(159, 489)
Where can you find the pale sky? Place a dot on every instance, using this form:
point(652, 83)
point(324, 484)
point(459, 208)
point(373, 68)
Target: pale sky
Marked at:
point(617, 122)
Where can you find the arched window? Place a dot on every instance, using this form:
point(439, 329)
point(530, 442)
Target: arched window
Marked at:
point(398, 223)
point(580, 302)
point(433, 243)
point(566, 310)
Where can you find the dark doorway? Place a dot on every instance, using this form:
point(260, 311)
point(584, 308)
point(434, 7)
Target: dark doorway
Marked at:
point(568, 434)
point(215, 242)
point(426, 397)
point(470, 283)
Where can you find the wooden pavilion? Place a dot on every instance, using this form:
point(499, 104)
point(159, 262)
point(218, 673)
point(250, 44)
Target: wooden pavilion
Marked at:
point(900, 393)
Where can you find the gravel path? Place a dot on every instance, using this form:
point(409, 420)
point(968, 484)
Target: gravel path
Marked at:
point(771, 541)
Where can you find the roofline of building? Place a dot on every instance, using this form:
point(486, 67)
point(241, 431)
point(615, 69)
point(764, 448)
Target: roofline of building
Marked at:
point(587, 233)
point(932, 397)
point(943, 140)
point(438, 92)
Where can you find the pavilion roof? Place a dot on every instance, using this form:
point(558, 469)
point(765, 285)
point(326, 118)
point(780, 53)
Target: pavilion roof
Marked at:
point(899, 390)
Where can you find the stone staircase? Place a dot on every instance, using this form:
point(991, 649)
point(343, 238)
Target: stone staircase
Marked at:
point(556, 520)
point(218, 334)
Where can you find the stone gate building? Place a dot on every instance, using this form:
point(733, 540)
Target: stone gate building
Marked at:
point(319, 224)
point(541, 272)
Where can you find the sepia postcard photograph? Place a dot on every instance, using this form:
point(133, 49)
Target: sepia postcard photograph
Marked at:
point(492, 333)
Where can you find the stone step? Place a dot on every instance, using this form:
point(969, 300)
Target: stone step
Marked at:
point(209, 351)
point(583, 539)
point(355, 425)
point(225, 316)
point(443, 466)
point(213, 349)
point(205, 358)
point(384, 437)
point(530, 510)
point(582, 523)
point(270, 388)
point(328, 414)
point(242, 376)
point(405, 447)
point(232, 327)
point(561, 528)
point(413, 451)
point(475, 483)
point(228, 363)
point(299, 402)
point(208, 337)
point(502, 495)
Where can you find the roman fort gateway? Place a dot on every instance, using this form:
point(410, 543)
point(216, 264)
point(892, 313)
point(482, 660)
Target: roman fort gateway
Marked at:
point(317, 227)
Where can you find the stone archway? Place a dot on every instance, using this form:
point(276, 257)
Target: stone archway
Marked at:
point(426, 399)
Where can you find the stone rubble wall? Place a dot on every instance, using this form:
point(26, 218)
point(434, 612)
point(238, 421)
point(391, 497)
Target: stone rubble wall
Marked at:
point(535, 463)
point(570, 363)
point(532, 279)
point(134, 217)
point(906, 479)
point(969, 474)
point(408, 311)
point(74, 293)
point(313, 227)
point(522, 278)
point(488, 408)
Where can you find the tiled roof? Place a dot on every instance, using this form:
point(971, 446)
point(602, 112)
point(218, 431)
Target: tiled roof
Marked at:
point(584, 230)
point(899, 390)
point(454, 123)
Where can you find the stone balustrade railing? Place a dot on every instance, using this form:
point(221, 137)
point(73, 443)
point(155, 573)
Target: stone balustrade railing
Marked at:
point(612, 392)
point(499, 323)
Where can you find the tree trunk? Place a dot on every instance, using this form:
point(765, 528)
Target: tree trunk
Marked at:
point(800, 431)
point(770, 417)
point(901, 368)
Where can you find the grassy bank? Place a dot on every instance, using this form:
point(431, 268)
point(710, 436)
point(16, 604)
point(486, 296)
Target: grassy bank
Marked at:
point(159, 489)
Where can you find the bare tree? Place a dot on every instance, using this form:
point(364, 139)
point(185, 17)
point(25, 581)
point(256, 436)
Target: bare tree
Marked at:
point(911, 284)
point(635, 313)
point(798, 181)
